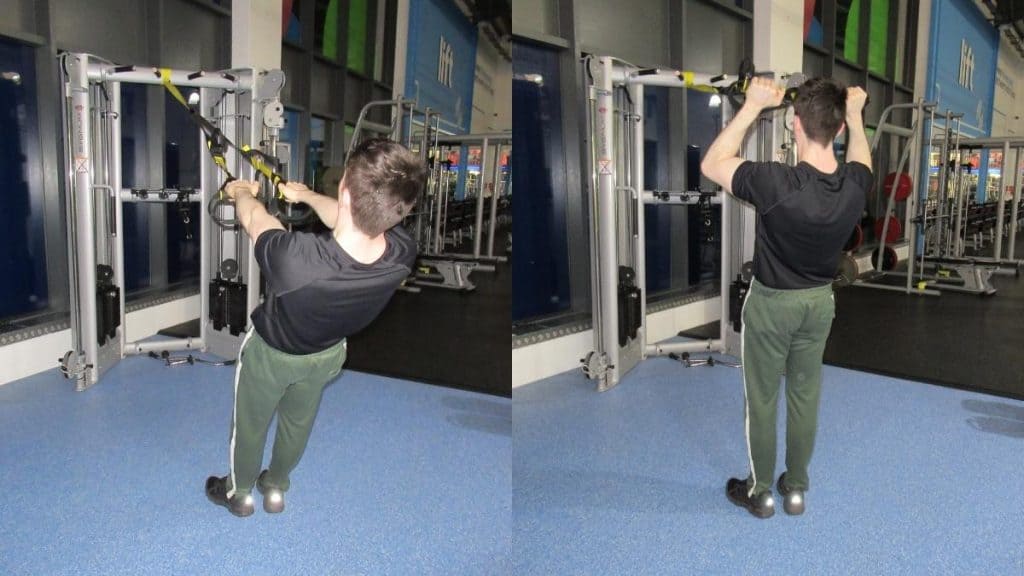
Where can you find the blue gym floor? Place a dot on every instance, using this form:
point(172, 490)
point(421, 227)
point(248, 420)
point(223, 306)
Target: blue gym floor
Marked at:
point(907, 479)
point(398, 478)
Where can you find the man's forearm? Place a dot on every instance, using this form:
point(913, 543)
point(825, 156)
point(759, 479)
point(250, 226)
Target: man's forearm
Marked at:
point(728, 143)
point(246, 208)
point(858, 149)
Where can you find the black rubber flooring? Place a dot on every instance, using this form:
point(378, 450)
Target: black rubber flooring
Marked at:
point(455, 339)
point(958, 340)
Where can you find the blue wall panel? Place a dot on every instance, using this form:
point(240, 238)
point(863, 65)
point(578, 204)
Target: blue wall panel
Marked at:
point(956, 23)
point(429, 21)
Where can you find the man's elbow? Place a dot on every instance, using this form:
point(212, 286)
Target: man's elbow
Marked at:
point(706, 167)
point(711, 169)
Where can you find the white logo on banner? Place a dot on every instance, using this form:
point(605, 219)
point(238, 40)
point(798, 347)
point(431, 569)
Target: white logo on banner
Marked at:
point(966, 65)
point(445, 63)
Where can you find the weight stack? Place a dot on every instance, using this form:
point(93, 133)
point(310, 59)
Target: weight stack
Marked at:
point(227, 305)
point(629, 305)
point(108, 312)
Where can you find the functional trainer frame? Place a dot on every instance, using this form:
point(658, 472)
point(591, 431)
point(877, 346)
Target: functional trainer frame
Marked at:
point(618, 272)
point(245, 105)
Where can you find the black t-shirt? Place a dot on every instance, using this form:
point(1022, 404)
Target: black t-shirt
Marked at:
point(805, 218)
point(317, 294)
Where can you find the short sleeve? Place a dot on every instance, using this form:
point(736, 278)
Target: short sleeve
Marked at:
point(763, 184)
point(279, 256)
point(860, 174)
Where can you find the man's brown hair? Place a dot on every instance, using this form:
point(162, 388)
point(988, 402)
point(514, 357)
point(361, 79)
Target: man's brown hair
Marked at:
point(384, 180)
point(821, 106)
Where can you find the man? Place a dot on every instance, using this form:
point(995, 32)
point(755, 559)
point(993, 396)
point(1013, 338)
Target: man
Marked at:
point(805, 214)
point(320, 289)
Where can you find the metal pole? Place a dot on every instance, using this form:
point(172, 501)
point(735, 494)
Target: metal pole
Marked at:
point(362, 118)
point(115, 182)
point(495, 194)
point(170, 344)
point(1001, 207)
point(636, 116)
point(726, 247)
point(206, 248)
point(1016, 202)
point(593, 218)
point(71, 210)
point(943, 179)
point(912, 200)
point(481, 184)
point(606, 229)
point(424, 155)
point(892, 199)
point(230, 80)
point(923, 193)
point(956, 213)
point(82, 190)
point(956, 184)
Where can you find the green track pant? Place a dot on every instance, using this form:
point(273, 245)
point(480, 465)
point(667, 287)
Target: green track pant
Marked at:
point(268, 380)
point(784, 332)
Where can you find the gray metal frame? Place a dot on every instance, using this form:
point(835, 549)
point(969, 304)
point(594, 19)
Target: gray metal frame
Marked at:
point(617, 222)
point(248, 111)
point(916, 137)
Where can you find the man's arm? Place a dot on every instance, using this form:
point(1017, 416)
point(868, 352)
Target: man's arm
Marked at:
point(857, 148)
point(722, 158)
point(249, 211)
point(324, 206)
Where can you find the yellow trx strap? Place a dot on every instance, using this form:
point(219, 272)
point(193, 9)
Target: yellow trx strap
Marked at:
point(222, 142)
point(165, 78)
point(690, 82)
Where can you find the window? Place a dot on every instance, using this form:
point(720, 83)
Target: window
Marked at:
point(317, 152)
point(878, 39)
point(292, 24)
point(357, 24)
point(848, 29)
point(23, 266)
point(703, 123)
point(540, 269)
point(134, 174)
point(382, 50)
point(814, 32)
point(182, 242)
point(327, 28)
point(181, 171)
point(657, 219)
point(906, 32)
point(181, 148)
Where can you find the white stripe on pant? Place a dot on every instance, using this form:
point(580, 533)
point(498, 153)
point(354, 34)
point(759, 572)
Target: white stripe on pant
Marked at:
point(746, 401)
point(234, 412)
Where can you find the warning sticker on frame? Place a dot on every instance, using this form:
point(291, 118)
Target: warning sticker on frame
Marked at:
point(81, 164)
point(604, 166)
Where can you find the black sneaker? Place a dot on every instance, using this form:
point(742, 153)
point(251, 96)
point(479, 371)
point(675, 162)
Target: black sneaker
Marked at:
point(273, 498)
point(761, 505)
point(217, 492)
point(792, 500)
